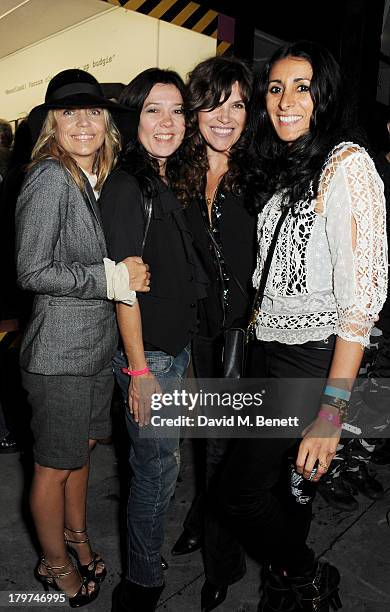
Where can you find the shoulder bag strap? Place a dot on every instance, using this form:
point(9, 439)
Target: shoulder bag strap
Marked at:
point(265, 272)
point(233, 276)
point(147, 205)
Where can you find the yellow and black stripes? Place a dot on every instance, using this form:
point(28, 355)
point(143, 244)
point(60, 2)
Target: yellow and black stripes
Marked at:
point(190, 15)
point(8, 340)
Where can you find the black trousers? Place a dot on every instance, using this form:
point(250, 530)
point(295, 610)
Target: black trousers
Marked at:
point(252, 495)
point(223, 555)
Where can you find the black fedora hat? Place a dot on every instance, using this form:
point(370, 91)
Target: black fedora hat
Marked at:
point(74, 88)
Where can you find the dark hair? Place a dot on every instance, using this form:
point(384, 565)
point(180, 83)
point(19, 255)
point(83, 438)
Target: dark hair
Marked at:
point(210, 85)
point(135, 158)
point(296, 167)
point(23, 145)
point(6, 135)
point(210, 82)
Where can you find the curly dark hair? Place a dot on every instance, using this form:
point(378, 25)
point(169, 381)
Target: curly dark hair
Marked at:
point(210, 85)
point(296, 167)
point(135, 159)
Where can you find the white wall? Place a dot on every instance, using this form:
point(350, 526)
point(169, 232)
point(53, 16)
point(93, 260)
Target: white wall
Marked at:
point(114, 46)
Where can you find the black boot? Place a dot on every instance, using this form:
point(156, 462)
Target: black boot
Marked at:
point(8, 444)
point(130, 597)
point(318, 590)
point(186, 543)
point(212, 596)
point(277, 594)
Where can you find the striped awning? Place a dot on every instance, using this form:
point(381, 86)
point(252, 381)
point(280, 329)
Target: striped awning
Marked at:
point(190, 15)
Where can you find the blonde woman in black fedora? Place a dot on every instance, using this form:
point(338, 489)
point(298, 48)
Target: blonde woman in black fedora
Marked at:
point(71, 336)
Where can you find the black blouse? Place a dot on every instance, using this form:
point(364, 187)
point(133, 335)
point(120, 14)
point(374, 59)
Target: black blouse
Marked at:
point(168, 311)
point(234, 230)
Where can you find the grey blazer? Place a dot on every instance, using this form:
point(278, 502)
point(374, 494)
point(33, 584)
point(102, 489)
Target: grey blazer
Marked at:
point(60, 247)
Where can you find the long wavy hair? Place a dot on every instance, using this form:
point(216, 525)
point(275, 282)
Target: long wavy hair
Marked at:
point(135, 159)
point(209, 86)
point(47, 147)
point(296, 167)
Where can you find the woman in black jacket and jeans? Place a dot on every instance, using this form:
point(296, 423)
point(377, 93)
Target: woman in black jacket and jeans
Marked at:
point(141, 215)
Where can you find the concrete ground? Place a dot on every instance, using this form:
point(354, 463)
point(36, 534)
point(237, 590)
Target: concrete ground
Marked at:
point(358, 543)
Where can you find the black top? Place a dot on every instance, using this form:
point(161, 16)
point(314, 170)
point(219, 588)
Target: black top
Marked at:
point(14, 302)
point(5, 155)
point(235, 234)
point(383, 168)
point(168, 311)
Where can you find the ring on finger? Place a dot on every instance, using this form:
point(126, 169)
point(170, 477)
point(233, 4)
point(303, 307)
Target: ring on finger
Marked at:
point(323, 465)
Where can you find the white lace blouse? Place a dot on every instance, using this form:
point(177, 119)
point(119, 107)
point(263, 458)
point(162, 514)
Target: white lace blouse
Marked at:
point(329, 270)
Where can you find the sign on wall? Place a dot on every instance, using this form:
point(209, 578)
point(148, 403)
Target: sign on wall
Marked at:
point(114, 46)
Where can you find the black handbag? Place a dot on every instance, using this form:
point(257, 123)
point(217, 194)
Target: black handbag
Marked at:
point(236, 339)
point(235, 345)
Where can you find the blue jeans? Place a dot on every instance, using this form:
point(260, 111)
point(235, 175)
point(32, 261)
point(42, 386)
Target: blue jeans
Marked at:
point(155, 464)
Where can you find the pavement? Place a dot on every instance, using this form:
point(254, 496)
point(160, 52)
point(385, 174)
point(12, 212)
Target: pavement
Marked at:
point(358, 543)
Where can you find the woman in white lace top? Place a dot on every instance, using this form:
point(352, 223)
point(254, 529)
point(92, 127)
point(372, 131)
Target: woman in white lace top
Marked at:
point(325, 287)
point(330, 280)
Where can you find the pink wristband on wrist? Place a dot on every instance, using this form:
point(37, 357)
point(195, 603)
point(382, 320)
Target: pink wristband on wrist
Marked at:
point(330, 417)
point(135, 372)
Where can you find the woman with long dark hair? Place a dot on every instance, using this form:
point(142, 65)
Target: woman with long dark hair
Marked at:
point(141, 215)
point(325, 287)
point(218, 190)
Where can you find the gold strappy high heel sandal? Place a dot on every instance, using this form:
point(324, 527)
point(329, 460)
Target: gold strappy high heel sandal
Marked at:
point(89, 571)
point(81, 598)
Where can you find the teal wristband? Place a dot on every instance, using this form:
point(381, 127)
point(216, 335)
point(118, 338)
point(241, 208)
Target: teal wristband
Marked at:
point(336, 392)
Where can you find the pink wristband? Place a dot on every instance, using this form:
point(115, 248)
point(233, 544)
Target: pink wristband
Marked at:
point(330, 417)
point(135, 372)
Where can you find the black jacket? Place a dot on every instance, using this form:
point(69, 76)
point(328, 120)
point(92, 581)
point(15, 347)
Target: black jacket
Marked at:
point(169, 313)
point(237, 230)
point(14, 302)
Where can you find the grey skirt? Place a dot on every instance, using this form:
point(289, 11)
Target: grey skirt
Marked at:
point(67, 411)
